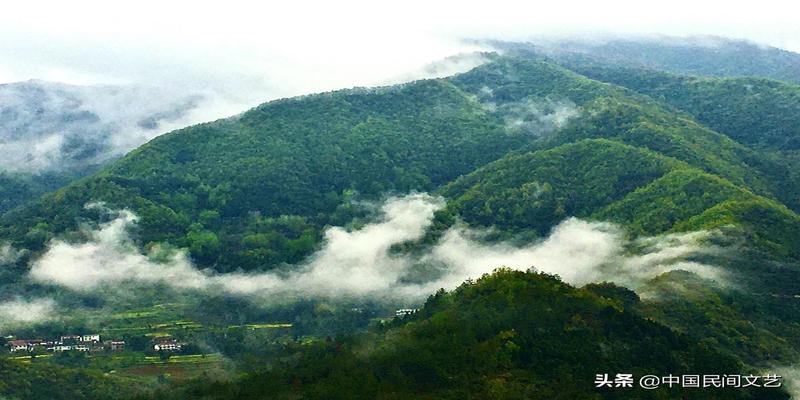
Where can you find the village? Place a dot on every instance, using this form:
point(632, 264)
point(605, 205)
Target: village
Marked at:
point(84, 343)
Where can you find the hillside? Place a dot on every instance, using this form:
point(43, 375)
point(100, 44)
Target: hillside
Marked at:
point(752, 111)
point(213, 186)
point(509, 335)
point(586, 178)
point(40, 381)
point(674, 198)
point(539, 189)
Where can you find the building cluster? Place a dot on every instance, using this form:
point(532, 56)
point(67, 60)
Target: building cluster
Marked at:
point(89, 342)
point(404, 312)
point(166, 344)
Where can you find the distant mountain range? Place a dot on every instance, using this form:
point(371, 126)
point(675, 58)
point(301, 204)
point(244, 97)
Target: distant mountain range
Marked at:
point(699, 55)
point(51, 133)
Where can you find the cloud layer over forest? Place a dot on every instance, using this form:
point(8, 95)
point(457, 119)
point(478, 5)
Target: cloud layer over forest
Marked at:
point(360, 263)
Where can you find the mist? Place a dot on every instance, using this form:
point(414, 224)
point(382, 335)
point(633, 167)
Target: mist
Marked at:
point(530, 116)
point(8, 254)
point(53, 127)
point(360, 264)
point(20, 312)
point(241, 54)
point(791, 378)
point(174, 65)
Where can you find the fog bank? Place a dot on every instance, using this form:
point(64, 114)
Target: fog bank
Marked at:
point(359, 264)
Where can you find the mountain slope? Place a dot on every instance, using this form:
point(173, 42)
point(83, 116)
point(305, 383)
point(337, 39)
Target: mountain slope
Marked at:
point(769, 224)
point(214, 185)
point(539, 189)
point(219, 189)
point(675, 197)
point(752, 111)
point(515, 144)
point(509, 335)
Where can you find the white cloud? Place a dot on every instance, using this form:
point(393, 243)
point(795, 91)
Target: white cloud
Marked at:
point(8, 254)
point(239, 54)
point(531, 116)
point(110, 258)
point(24, 312)
point(790, 377)
point(253, 52)
point(359, 263)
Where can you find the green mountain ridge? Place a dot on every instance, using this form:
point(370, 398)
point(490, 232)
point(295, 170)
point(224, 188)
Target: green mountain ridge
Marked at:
point(752, 111)
point(298, 157)
point(539, 189)
point(670, 200)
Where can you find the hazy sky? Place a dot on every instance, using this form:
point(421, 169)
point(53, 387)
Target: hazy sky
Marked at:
point(249, 52)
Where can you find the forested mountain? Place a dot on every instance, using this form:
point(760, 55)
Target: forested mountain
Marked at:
point(700, 55)
point(49, 382)
point(199, 187)
point(752, 111)
point(684, 167)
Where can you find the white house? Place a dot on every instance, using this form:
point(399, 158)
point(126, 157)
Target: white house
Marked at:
point(404, 312)
point(18, 345)
point(167, 345)
point(81, 347)
point(90, 338)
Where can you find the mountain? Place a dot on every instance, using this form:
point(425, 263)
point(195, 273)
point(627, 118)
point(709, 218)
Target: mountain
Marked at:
point(673, 198)
point(699, 55)
point(756, 112)
point(752, 111)
point(306, 156)
point(40, 381)
point(704, 215)
point(587, 175)
point(537, 190)
point(53, 133)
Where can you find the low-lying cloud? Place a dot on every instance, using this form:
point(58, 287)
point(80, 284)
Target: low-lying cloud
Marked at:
point(24, 312)
point(532, 116)
point(360, 263)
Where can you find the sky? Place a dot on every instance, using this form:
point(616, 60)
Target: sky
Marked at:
point(245, 53)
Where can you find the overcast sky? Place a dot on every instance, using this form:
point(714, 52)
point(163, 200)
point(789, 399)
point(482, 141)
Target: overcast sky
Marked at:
point(249, 53)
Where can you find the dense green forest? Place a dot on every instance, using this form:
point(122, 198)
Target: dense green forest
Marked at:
point(42, 381)
point(18, 188)
point(752, 111)
point(514, 147)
